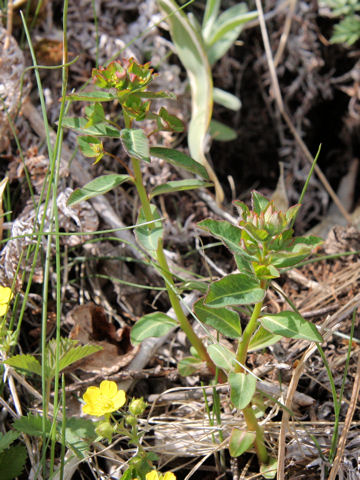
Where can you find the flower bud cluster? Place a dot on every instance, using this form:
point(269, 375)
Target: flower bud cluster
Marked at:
point(267, 237)
point(123, 75)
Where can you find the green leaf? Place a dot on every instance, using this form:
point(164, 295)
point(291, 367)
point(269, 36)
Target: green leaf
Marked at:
point(136, 143)
point(347, 30)
point(179, 186)
point(95, 114)
point(154, 324)
point(169, 122)
point(160, 94)
point(221, 132)
point(149, 236)
point(189, 366)
point(229, 234)
point(79, 433)
point(240, 441)
point(259, 202)
point(226, 99)
point(225, 30)
point(223, 320)
point(25, 362)
point(91, 147)
point(7, 439)
point(95, 96)
point(269, 470)
point(76, 354)
point(212, 8)
point(12, 462)
point(98, 186)
point(242, 389)
point(191, 51)
point(32, 425)
point(179, 159)
point(291, 325)
point(234, 289)
point(262, 339)
point(100, 129)
point(221, 356)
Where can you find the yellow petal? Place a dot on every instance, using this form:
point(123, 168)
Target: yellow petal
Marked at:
point(5, 297)
point(153, 475)
point(108, 388)
point(119, 399)
point(169, 476)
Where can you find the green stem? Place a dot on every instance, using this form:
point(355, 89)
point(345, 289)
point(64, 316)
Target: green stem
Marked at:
point(145, 203)
point(169, 282)
point(253, 426)
point(182, 319)
point(244, 344)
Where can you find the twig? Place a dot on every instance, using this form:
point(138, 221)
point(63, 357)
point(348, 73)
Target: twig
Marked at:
point(280, 104)
point(347, 423)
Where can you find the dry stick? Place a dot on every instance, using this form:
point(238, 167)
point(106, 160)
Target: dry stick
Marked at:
point(347, 423)
point(280, 104)
point(329, 324)
point(285, 35)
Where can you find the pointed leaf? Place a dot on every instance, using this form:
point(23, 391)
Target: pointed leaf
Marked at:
point(95, 96)
point(136, 143)
point(100, 129)
point(32, 425)
point(79, 433)
point(262, 339)
point(259, 202)
point(76, 354)
point(221, 132)
point(90, 146)
point(242, 389)
point(226, 30)
point(240, 441)
point(148, 237)
point(178, 186)
point(154, 324)
point(229, 234)
point(189, 366)
point(25, 362)
point(291, 325)
point(98, 186)
point(180, 160)
point(234, 289)
point(223, 320)
point(12, 462)
point(7, 439)
point(190, 48)
point(221, 356)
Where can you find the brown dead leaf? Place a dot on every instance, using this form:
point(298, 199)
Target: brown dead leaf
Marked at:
point(90, 326)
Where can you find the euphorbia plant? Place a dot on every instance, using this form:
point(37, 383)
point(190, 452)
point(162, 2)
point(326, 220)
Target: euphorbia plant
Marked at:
point(263, 245)
point(126, 82)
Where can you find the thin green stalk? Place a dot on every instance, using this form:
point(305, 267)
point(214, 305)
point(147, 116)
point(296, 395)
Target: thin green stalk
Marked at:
point(182, 319)
point(142, 192)
point(253, 426)
point(249, 330)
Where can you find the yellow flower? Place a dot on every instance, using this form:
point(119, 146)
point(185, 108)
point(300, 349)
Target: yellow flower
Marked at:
point(154, 475)
point(104, 399)
point(5, 297)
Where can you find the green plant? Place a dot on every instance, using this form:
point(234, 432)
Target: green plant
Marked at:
point(347, 30)
point(262, 244)
point(198, 48)
point(127, 82)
